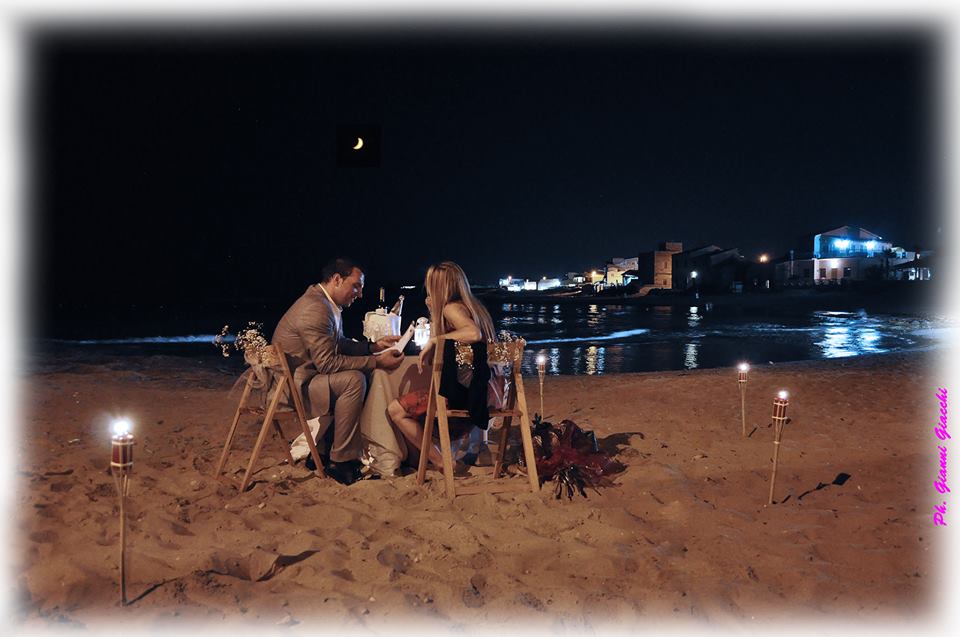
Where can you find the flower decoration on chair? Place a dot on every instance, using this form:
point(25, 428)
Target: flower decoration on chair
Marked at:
point(250, 340)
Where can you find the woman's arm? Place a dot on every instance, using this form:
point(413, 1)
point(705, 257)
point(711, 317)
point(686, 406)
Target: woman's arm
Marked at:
point(464, 329)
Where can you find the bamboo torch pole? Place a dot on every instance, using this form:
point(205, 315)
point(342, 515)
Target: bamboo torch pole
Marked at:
point(541, 370)
point(121, 465)
point(742, 382)
point(779, 417)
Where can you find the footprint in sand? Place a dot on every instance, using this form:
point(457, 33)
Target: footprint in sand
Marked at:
point(180, 529)
point(43, 537)
point(395, 559)
point(473, 595)
point(530, 600)
point(481, 559)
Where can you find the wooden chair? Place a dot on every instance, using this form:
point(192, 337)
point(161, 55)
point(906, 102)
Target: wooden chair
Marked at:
point(276, 363)
point(516, 407)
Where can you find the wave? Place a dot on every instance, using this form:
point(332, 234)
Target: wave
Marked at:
point(145, 340)
point(582, 339)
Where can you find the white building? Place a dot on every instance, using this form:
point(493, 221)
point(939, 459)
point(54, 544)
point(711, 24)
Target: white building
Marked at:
point(847, 253)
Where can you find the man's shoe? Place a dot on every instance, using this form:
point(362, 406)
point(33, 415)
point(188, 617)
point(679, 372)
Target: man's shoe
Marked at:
point(312, 466)
point(345, 473)
point(484, 456)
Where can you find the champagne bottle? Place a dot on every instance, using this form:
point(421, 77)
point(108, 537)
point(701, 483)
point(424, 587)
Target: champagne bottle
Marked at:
point(398, 306)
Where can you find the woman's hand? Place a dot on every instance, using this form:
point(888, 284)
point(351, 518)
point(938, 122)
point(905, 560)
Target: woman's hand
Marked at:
point(426, 355)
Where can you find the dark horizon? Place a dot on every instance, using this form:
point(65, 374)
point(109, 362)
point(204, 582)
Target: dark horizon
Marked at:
point(187, 165)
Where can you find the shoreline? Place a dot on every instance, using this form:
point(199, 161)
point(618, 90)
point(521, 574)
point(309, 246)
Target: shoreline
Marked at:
point(685, 535)
point(893, 300)
point(67, 356)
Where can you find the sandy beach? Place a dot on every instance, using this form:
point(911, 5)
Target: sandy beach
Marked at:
point(684, 536)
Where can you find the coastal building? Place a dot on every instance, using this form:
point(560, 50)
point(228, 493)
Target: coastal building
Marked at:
point(844, 254)
point(708, 267)
point(573, 279)
point(546, 283)
point(794, 270)
point(655, 268)
point(615, 271)
point(919, 269)
point(847, 242)
point(511, 284)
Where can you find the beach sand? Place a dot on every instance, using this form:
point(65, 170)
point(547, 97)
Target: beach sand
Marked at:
point(684, 536)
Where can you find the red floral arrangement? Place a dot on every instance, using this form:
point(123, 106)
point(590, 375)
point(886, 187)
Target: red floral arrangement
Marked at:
point(571, 457)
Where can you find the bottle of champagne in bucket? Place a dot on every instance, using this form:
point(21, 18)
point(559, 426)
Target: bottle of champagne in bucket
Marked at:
point(398, 306)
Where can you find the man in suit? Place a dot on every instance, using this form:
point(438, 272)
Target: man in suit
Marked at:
point(330, 369)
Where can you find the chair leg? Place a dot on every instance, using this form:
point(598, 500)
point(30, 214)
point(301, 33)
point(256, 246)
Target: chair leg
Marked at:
point(283, 441)
point(445, 447)
point(525, 427)
point(267, 419)
point(502, 445)
point(233, 426)
point(302, 417)
point(426, 441)
point(313, 448)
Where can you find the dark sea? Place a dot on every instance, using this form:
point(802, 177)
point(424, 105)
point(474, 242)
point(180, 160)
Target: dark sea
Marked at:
point(576, 338)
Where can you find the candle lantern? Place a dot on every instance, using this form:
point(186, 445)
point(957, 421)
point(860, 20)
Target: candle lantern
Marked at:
point(421, 332)
point(742, 370)
point(779, 418)
point(121, 466)
point(541, 370)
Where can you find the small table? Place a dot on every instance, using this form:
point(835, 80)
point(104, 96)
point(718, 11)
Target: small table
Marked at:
point(387, 444)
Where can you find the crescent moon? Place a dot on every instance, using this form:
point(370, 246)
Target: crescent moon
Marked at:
point(359, 144)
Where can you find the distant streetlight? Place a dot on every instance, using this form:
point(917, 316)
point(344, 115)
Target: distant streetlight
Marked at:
point(764, 258)
point(693, 274)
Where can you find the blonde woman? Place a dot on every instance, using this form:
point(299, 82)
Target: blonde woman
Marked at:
point(456, 314)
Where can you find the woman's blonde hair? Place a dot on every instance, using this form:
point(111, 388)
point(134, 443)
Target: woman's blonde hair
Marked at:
point(446, 282)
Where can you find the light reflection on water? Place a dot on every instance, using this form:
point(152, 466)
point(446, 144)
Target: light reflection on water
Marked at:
point(690, 355)
point(595, 359)
point(597, 339)
point(846, 334)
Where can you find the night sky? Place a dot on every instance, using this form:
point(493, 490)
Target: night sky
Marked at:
point(185, 165)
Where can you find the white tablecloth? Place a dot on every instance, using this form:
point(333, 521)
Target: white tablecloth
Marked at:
point(384, 443)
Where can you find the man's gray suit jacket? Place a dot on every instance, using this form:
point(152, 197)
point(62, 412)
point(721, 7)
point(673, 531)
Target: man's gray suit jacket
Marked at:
point(311, 336)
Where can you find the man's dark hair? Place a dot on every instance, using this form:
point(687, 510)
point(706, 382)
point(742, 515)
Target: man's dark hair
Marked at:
point(342, 266)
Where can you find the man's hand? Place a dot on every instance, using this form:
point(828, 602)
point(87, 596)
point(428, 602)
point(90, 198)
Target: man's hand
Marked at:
point(385, 343)
point(389, 360)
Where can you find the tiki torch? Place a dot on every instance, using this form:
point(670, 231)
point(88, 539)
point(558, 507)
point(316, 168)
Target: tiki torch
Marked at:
point(121, 465)
point(779, 417)
point(742, 382)
point(541, 370)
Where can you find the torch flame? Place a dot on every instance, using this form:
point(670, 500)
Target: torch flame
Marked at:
point(783, 394)
point(121, 427)
point(744, 367)
point(541, 359)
